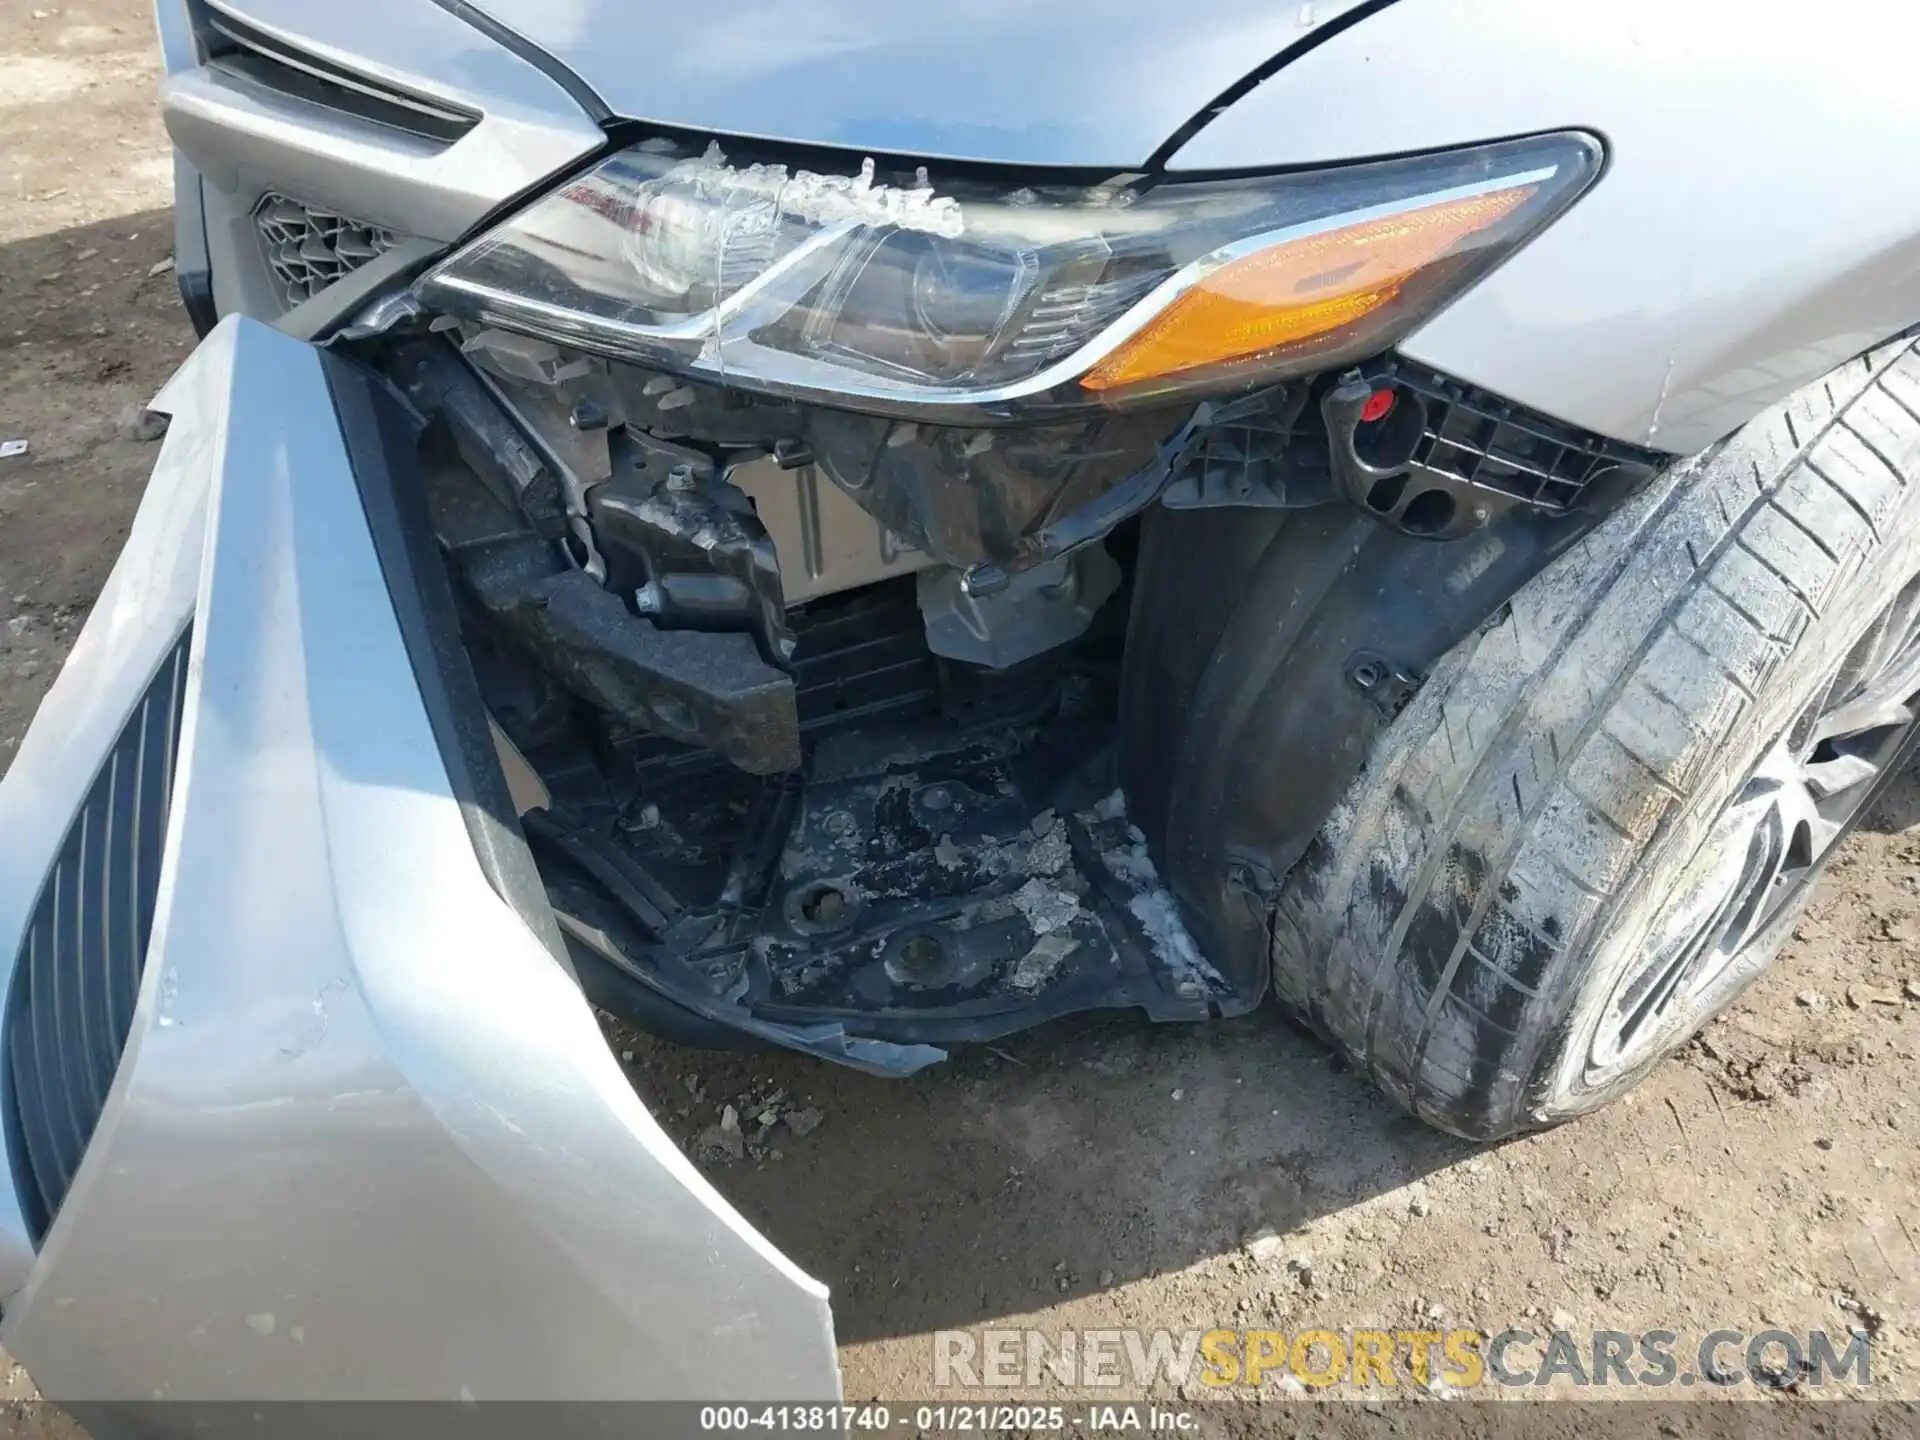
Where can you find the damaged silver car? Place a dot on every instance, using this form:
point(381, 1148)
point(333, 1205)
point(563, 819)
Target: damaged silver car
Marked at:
point(867, 529)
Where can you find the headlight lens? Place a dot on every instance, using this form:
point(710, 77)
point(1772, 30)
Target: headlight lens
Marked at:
point(978, 301)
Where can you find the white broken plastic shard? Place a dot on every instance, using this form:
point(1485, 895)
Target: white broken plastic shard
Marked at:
point(1152, 904)
point(1046, 907)
point(1131, 862)
point(1043, 961)
point(1024, 855)
point(824, 199)
point(1159, 916)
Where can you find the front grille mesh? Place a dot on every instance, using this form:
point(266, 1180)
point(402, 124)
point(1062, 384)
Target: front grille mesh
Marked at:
point(308, 248)
point(78, 971)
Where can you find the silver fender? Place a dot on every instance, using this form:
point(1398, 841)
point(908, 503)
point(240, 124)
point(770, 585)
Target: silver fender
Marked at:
point(1754, 229)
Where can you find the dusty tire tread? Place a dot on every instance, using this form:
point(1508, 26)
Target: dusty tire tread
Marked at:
point(1405, 932)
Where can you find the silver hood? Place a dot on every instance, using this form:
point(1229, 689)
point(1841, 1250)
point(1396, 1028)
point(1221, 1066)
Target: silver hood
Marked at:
point(1041, 82)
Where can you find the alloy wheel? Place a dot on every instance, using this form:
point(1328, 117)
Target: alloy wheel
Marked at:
point(1767, 845)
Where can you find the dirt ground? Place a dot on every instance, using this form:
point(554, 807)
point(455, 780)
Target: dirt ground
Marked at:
point(1101, 1173)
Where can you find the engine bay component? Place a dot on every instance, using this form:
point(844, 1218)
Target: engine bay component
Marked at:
point(686, 547)
point(950, 862)
point(824, 541)
point(1420, 451)
point(874, 809)
point(708, 690)
point(1034, 612)
point(802, 821)
point(902, 496)
point(491, 446)
point(697, 688)
point(976, 496)
point(965, 300)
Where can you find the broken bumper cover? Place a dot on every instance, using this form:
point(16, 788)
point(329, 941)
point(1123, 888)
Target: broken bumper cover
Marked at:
point(365, 1137)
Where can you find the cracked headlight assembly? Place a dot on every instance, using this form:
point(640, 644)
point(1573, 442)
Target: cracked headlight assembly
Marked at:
point(971, 301)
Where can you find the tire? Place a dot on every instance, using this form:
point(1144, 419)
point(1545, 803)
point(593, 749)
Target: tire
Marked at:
point(1553, 808)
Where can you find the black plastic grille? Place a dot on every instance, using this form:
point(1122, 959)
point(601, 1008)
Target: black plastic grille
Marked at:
point(1478, 439)
point(78, 971)
point(308, 248)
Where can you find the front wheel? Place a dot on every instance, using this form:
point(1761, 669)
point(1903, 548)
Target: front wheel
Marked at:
point(1596, 823)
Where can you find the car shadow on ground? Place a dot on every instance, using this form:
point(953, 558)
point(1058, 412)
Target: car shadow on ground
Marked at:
point(90, 325)
point(1898, 808)
point(1074, 1159)
point(95, 302)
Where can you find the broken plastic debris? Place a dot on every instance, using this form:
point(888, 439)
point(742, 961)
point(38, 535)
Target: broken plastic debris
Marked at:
point(725, 1138)
point(1265, 1244)
point(1046, 907)
point(1042, 849)
point(1051, 853)
point(827, 199)
point(1130, 862)
point(141, 425)
point(1155, 911)
point(1043, 961)
point(1152, 904)
point(11, 448)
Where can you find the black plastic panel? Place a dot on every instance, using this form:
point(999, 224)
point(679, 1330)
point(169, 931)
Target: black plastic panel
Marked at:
point(238, 48)
point(1484, 441)
point(77, 975)
point(1437, 460)
point(1267, 651)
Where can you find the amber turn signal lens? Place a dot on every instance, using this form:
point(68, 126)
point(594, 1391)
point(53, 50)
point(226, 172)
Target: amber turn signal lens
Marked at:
point(1293, 292)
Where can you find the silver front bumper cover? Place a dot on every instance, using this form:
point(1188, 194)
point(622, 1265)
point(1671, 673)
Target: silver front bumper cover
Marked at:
point(366, 1139)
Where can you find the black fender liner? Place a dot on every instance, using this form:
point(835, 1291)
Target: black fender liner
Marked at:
point(1266, 651)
